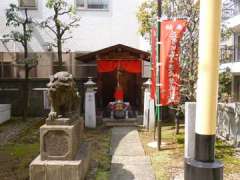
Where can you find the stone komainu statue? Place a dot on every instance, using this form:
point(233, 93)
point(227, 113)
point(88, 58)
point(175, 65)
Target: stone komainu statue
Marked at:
point(63, 96)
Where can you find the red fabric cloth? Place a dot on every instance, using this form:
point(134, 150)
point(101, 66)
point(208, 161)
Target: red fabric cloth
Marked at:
point(104, 66)
point(171, 34)
point(130, 66)
point(118, 94)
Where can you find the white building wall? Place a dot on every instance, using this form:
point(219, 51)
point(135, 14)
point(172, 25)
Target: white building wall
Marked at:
point(98, 29)
point(234, 23)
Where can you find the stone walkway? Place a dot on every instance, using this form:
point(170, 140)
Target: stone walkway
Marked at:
point(129, 161)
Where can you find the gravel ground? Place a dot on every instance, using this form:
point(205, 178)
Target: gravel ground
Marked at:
point(179, 175)
point(10, 132)
point(18, 146)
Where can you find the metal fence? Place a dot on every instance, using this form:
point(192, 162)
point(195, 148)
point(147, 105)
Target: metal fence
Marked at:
point(231, 8)
point(227, 54)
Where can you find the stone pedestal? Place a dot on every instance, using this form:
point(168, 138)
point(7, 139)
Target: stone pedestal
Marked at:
point(190, 119)
point(90, 106)
point(59, 142)
point(152, 117)
point(62, 157)
point(197, 170)
point(62, 170)
point(5, 112)
point(90, 110)
point(146, 108)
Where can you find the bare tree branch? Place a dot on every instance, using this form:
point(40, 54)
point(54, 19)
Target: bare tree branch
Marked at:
point(65, 12)
point(56, 24)
point(51, 28)
point(71, 24)
point(64, 39)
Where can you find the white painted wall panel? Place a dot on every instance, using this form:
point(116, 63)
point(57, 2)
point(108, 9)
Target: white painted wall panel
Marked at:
point(97, 30)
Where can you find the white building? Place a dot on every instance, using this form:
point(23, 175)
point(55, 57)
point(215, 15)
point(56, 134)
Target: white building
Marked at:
point(108, 31)
point(103, 23)
point(230, 49)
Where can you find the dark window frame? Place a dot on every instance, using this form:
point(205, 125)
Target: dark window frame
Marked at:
point(86, 6)
point(28, 7)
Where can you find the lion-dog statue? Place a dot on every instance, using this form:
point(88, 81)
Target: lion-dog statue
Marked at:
point(63, 96)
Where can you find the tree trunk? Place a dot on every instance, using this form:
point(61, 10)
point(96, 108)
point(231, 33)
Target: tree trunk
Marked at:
point(25, 86)
point(26, 93)
point(177, 121)
point(60, 61)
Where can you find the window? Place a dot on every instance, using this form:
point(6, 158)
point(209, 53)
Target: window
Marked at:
point(236, 5)
point(92, 4)
point(80, 3)
point(31, 4)
point(84, 70)
point(237, 46)
point(236, 88)
point(227, 54)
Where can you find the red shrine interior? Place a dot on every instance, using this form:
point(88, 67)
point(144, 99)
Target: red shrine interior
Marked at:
point(118, 65)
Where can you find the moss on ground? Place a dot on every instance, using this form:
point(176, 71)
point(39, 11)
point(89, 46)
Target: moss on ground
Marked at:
point(16, 155)
point(20, 150)
point(171, 153)
point(169, 160)
point(226, 154)
point(101, 158)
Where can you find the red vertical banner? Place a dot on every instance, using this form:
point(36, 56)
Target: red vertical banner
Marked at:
point(153, 61)
point(171, 34)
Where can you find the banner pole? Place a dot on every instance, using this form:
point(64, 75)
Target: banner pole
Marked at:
point(159, 108)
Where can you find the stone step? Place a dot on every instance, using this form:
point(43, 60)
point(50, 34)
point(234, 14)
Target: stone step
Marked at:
point(120, 122)
point(129, 119)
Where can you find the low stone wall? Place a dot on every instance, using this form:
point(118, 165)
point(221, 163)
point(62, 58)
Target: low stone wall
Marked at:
point(11, 92)
point(228, 125)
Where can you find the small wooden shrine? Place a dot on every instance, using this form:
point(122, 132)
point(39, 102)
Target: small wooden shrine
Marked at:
point(118, 65)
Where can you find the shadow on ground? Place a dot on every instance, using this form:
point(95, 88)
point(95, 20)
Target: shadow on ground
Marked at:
point(120, 172)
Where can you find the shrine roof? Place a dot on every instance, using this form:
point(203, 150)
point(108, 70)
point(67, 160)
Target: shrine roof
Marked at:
point(118, 51)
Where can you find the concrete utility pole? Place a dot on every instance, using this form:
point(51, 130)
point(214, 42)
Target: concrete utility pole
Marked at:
point(204, 166)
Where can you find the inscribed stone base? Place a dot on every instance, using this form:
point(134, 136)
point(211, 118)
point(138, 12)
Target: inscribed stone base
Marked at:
point(59, 142)
point(60, 121)
point(190, 119)
point(62, 170)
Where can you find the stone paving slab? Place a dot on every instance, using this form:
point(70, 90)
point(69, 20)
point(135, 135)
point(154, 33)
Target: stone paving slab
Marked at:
point(127, 149)
point(124, 130)
point(128, 138)
point(125, 142)
point(134, 160)
point(131, 172)
point(129, 161)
